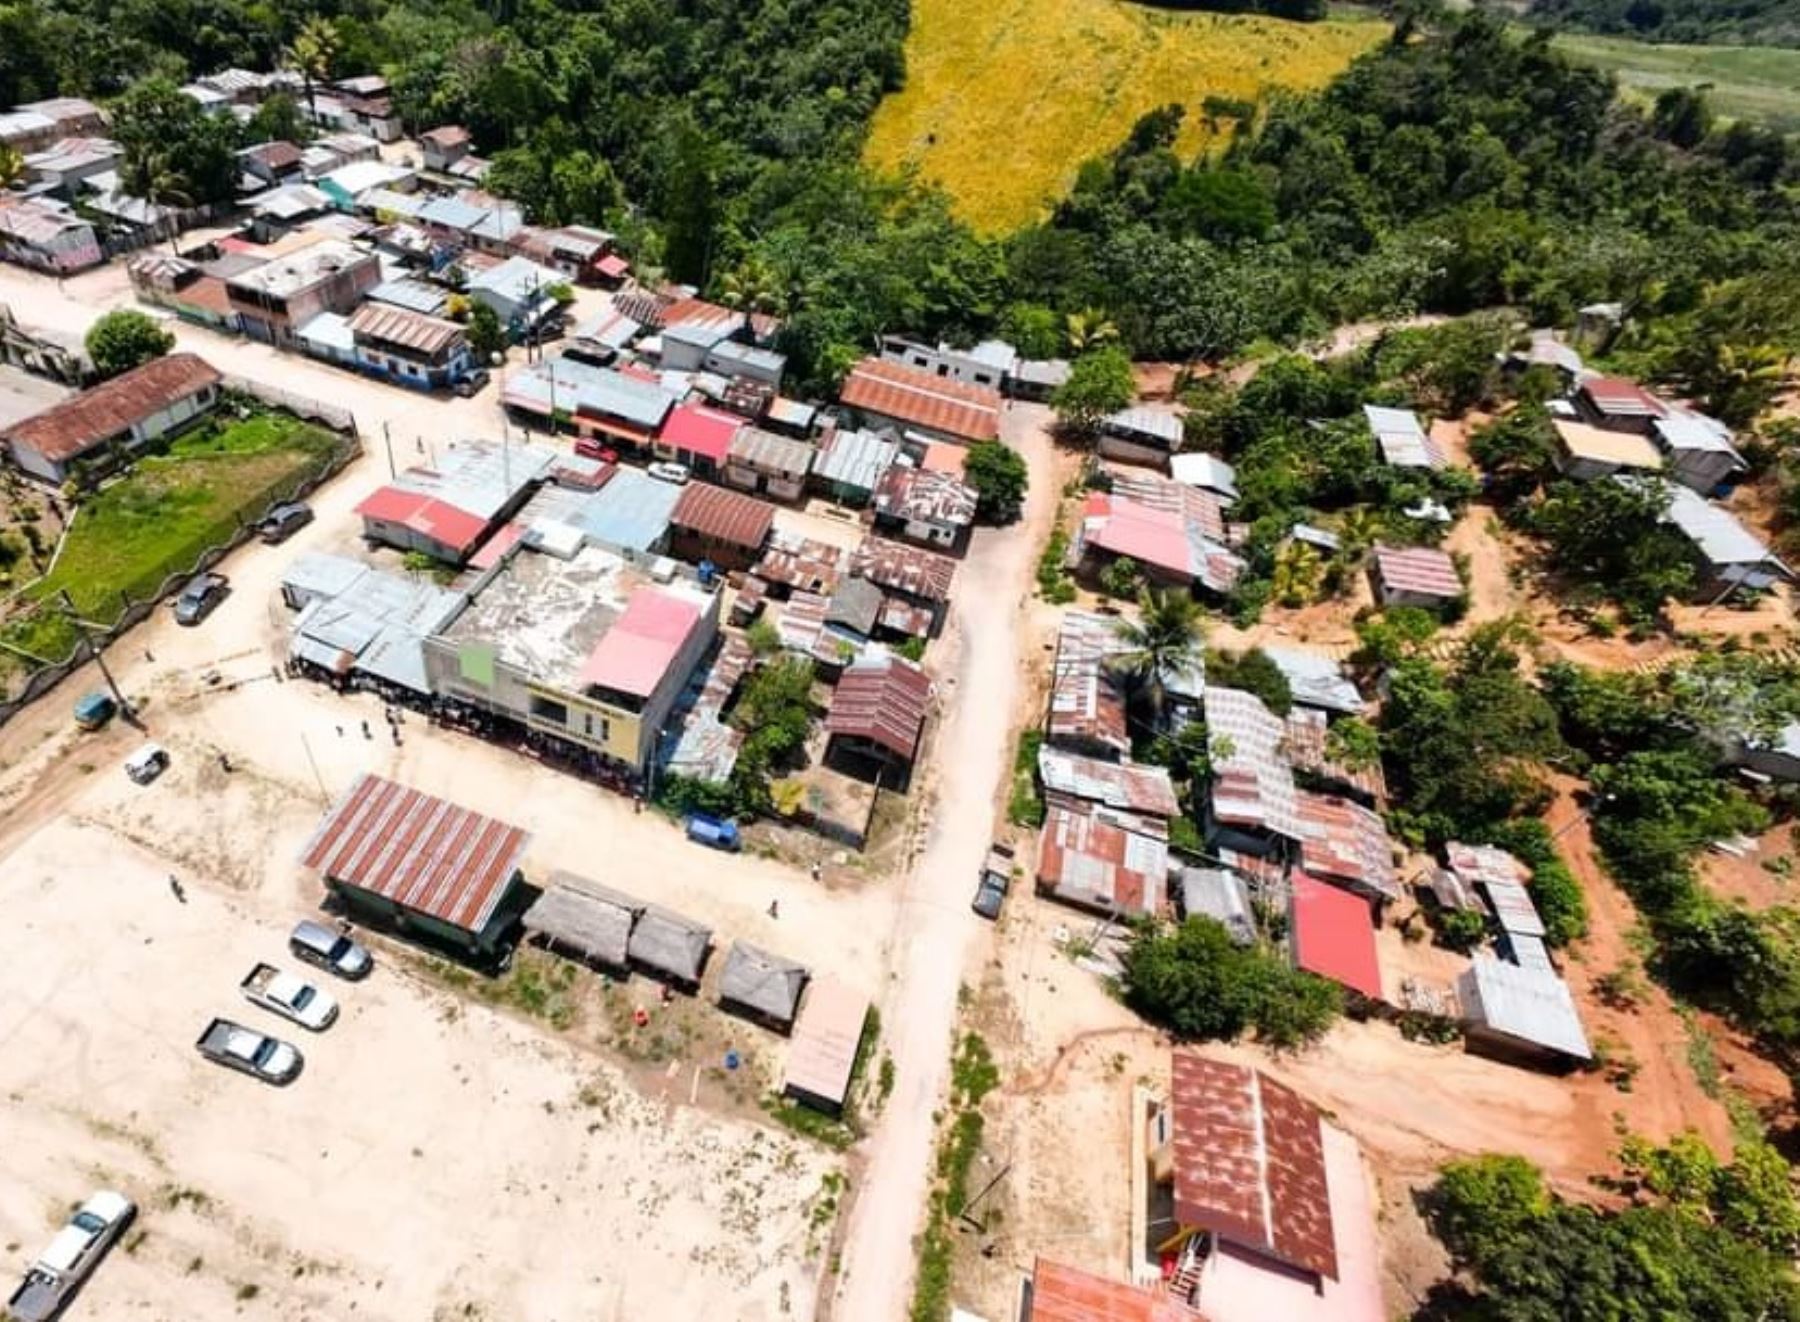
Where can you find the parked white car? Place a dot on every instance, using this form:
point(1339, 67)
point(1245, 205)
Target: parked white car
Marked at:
point(147, 763)
point(290, 997)
point(664, 471)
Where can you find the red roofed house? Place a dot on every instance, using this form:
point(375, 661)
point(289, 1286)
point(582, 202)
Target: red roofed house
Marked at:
point(1331, 934)
point(448, 510)
point(922, 402)
point(1616, 404)
point(1414, 576)
point(727, 528)
point(1055, 1293)
point(878, 712)
point(1258, 1208)
point(422, 865)
point(698, 436)
point(1109, 862)
point(1173, 545)
point(107, 424)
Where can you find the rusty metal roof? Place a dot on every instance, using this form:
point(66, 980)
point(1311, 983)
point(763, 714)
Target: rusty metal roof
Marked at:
point(724, 516)
point(801, 563)
point(923, 495)
point(1344, 841)
point(421, 852)
point(898, 567)
point(1197, 505)
point(1091, 857)
point(76, 425)
point(971, 413)
point(1482, 864)
point(401, 326)
point(1087, 704)
point(1253, 785)
point(1421, 569)
point(1250, 1163)
point(1305, 748)
point(883, 699)
point(1133, 788)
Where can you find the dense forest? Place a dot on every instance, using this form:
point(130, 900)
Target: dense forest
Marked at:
point(1457, 167)
point(1725, 22)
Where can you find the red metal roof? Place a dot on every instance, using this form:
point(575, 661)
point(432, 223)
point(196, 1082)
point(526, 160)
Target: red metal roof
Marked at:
point(1619, 397)
point(698, 430)
point(612, 266)
point(1064, 1294)
point(634, 655)
point(1089, 857)
point(883, 700)
point(1422, 569)
point(425, 515)
point(77, 425)
point(725, 516)
point(971, 413)
point(1250, 1163)
point(423, 853)
point(1333, 935)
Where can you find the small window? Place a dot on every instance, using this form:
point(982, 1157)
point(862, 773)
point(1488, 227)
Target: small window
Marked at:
point(544, 709)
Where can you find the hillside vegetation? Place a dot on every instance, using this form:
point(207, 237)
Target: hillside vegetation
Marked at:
point(1760, 83)
point(1741, 22)
point(1004, 99)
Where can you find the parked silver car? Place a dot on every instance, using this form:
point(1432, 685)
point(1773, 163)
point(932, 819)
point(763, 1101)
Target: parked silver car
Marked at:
point(329, 949)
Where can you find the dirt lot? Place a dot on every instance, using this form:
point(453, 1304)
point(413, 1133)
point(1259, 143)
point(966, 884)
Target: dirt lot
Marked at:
point(420, 1120)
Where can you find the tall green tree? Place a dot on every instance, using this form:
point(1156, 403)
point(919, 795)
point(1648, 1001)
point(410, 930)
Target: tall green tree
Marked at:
point(124, 339)
point(173, 152)
point(1164, 639)
point(1099, 384)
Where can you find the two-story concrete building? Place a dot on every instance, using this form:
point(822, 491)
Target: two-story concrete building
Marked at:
point(274, 300)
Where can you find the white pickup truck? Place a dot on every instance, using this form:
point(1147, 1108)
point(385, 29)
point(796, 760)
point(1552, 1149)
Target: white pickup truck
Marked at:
point(53, 1279)
point(290, 997)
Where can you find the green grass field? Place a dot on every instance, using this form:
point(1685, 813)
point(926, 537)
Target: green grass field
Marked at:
point(1004, 99)
point(1760, 83)
point(160, 517)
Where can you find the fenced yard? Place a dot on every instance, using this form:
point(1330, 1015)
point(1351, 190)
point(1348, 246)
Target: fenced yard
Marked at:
point(173, 513)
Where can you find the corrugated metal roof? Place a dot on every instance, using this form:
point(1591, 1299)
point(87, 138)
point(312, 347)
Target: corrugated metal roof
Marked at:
point(768, 453)
point(1087, 703)
point(1063, 1294)
point(413, 295)
point(329, 332)
point(920, 496)
point(635, 654)
point(884, 699)
point(695, 429)
point(1620, 449)
point(726, 516)
point(911, 570)
point(1332, 935)
point(826, 1037)
point(1513, 907)
point(1221, 895)
point(1716, 532)
point(1478, 865)
point(1402, 437)
point(1199, 506)
point(1528, 1005)
point(76, 425)
point(409, 330)
point(599, 393)
point(802, 563)
point(1419, 569)
point(1206, 471)
point(968, 412)
point(1616, 397)
point(1130, 788)
point(1250, 1163)
point(1253, 786)
point(1093, 859)
point(1344, 841)
point(421, 852)
point(1316, 680)
point(1157, 424)
point(761, 981)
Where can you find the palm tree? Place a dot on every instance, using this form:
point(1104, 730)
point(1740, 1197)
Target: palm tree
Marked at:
point(1089, 330)
point(12, 165)
point(1164, 640)
point(314, 51)
point(753, 287)
point(1298, 573)
point(1358, 531)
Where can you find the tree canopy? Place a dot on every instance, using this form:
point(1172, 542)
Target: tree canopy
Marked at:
point(124, 339)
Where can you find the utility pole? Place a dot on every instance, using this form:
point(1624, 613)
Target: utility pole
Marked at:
point(324, 797)
point(387, 439)
point(80, 624)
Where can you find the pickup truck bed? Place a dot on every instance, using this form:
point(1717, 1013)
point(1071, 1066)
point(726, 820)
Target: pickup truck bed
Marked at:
point(38, 1298)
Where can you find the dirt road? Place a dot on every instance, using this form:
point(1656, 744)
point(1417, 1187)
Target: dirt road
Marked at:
point(935, 930)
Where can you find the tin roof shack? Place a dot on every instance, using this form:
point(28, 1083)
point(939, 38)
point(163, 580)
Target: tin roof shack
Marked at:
point(106, 425)
point(821, 1060)
point(1262, 1205)
point(594, 402)
point(1112, 863)
point(1420, 576)
point(800, 564)
point(1523, 1015)
point(1087, 701)
point(1402, 438)
point(669, 948)
point(774, 465)
point(1697, 450)
point(590, 649)
point(1206, 471)
point(432, 871)
point(919, 505)
point(1221, 895)
point(849, 465)
point(1329, 933)
point(46, 237)
point(593, 922)
point(1502, 878)
point(915, 581)
point(1141, 435)
point(1145, 792)
point(360, 621)
point(760, 986)
point(1585, 452)
point(877, 715)
point(1726, 554)
point(1317, 681)
point(274, 300)
point(1055, 1293)
point(912, 400)
point(1618, 405)
point(722, 527)
point(449, 510)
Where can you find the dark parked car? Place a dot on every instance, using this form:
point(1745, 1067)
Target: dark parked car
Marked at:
point(471, 384)
point(284, 521)
point(197, 599)
point(326, 948)
point(996, 877)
